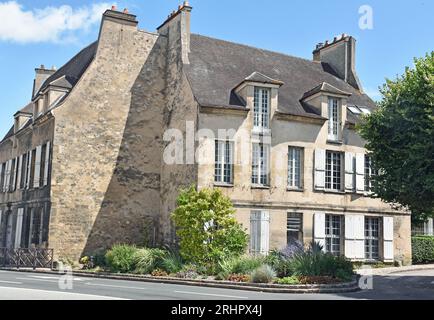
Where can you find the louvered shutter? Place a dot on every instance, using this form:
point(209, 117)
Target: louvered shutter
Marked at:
point(430, 227)
point(355, 237)
point(320, 169)
point(259, 232)
point(37, 175)
point(1, 175)
point(14, 175)
point(388, 253)
point(19, 226)
point(47, 162)
point(20, 164)
point(28, 170)
point(319, 228)
point(360, 173)
point(1, 213)
point(349, 172)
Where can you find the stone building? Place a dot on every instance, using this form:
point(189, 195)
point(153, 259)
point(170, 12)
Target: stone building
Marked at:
point(86, 163)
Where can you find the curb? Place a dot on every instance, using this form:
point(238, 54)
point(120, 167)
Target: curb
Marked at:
point(269, 288)
point(392, 270)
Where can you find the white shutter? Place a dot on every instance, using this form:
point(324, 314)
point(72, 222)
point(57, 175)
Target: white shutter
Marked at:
point(430, 227)
point(1, 212)
point(47, 162)
point(14, 176)
point(255, 230)
point(349, 172)
point(355, 237)
point(29, 167)
point(37, 175)
point(19, 227)
point(320, 156)
point(319, 228)
point(265, 232)
point(20, 164)
point(360, 173)
point(8, 176)
point(1, 171)
point(388, 254)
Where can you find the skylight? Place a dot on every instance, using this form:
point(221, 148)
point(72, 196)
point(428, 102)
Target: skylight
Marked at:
point(354, 109)
point(365, 110)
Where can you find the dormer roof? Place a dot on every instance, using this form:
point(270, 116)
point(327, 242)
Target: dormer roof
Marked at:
point(325, 87)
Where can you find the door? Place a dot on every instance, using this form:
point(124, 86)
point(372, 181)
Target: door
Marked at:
point(9, 241)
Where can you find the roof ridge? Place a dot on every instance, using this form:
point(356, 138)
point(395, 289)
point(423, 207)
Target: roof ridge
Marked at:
point(256, 48)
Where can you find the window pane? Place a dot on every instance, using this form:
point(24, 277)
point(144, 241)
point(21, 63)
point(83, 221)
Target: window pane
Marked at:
point(333, 234)
point(294, 167)
point(333, 174)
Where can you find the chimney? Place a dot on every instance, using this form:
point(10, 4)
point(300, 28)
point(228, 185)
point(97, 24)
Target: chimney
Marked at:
point(340, 54)
point(181, 18)
point(41, 74)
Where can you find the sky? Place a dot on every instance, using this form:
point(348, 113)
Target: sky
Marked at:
point(389, 33)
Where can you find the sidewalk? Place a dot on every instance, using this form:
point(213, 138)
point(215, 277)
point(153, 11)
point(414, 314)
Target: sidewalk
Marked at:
point(391, 270)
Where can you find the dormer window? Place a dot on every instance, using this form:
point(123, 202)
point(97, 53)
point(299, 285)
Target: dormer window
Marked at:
point(334, 115)
point(262, 104)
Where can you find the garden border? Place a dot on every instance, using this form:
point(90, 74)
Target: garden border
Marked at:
point(269, 288)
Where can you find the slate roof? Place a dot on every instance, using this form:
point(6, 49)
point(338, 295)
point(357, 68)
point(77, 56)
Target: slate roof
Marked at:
point(217, 67)
point(68, 75)
point(324, 87)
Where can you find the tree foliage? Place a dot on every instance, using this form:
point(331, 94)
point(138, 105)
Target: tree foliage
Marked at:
point(206, 227)
point(400, 135)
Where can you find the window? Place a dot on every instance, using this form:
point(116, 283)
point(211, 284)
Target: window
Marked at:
point(333, 174)
point(12, 175)
point(334, 119)
point(372, 233)
point(260, 164)
point(224, 153)
point(2, 176)
point(365, 110)
point(32, 169)
point(333, 231)
point(295, 168)
point(294, 227)
point(261, 110)
point(22, 182)
point(354, 109)
point(36, 227)
point(42, 167)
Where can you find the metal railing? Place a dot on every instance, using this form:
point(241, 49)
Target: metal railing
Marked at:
point(26, 258)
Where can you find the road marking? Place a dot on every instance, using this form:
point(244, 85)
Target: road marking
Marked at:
point(10, 282)
point(55, 278)
point(42, 280)
point(35, 294)
point(211, 295)
point(113, 286)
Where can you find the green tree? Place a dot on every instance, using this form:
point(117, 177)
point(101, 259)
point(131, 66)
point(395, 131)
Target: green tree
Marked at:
point(206, 227)
point(400, 136)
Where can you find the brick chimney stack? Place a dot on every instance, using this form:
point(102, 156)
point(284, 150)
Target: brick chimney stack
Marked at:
point(41, 74)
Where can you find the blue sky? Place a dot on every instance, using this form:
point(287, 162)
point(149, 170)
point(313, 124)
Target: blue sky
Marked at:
point(50, 32)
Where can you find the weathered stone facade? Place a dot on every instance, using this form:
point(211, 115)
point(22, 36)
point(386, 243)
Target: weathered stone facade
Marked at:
point(106, 114)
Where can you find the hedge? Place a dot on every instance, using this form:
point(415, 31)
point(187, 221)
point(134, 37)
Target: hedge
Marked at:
point(423, 249)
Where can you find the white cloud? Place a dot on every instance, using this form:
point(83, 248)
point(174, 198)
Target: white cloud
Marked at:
point(51, 24)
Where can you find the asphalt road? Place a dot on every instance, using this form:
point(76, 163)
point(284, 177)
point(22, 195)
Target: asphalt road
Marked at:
point(36, 286)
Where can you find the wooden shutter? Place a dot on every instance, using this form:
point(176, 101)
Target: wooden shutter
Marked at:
point(1, 172)
point(360, 173)
point(349, 172)
point(29, 167)
point(265, 232)
point(8, 176)
point(14, 175)
point(355, 237)
point(20, 164)
point(19, 227)
point(1, 212)
point(47, 162)
point(319, 228)
point(388, 253)
point(37, 175)
point(320, 169)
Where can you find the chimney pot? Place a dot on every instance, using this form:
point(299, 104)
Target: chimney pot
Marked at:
point(125, 11)
point(179, 7)
point(42, 66)
point(186, 4)
point(114, 8)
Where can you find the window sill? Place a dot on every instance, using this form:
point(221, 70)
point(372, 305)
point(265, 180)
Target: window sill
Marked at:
point(336, 142)
point(261, 131)
point(255, 186)
point(223, 185)
point(295, 189)
point(332, 191)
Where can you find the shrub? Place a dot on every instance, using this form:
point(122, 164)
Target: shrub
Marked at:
point(288, 280)
point(423, 249)
point(188, 271)
point(120, 258)
point(86, 262)
point(239, 265)
point(207, 229)
point(317, 263)
point(280, 263)
point(159, 273)
point(263, 274)
point(238, 278)
point(172, 262)
point(318, 280)
point(146, 260)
